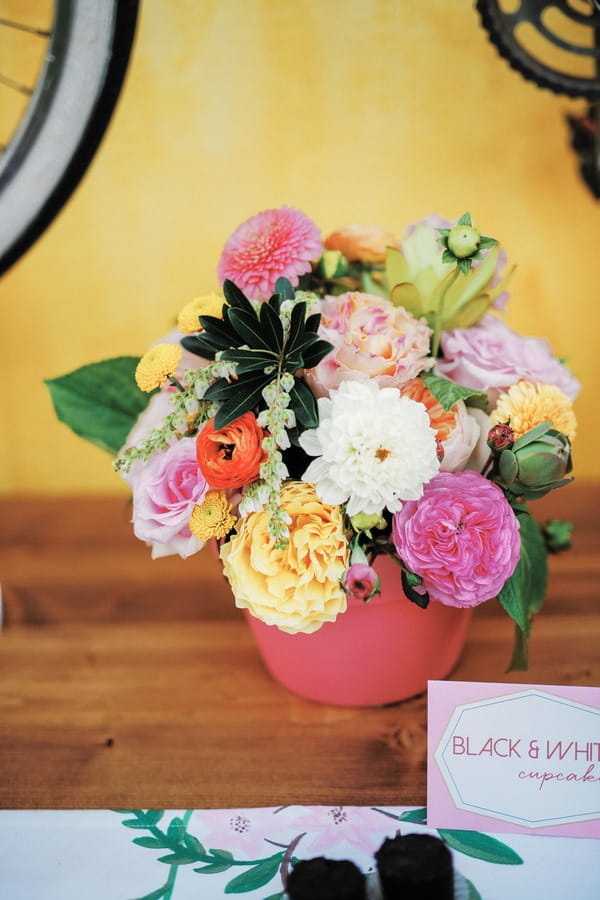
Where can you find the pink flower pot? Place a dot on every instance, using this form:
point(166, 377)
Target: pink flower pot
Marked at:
point(375, 653)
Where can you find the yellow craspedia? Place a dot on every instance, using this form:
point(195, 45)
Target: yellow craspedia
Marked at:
point(213, 518)
point(156, 365)
point(206, 305)
point(525, 405)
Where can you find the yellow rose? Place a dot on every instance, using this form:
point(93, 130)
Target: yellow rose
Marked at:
point(297, 588)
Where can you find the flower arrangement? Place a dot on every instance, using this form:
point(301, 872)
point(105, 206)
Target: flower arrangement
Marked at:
point(342, 399)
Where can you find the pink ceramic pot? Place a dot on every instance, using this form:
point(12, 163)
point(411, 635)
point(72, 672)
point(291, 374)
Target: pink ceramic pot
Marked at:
point(375, 653)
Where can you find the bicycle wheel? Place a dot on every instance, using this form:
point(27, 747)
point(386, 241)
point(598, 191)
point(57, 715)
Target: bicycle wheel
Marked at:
point(69, 109)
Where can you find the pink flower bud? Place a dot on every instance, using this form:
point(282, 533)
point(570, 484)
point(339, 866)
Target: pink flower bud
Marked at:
point(500, 437)
point(361, 582)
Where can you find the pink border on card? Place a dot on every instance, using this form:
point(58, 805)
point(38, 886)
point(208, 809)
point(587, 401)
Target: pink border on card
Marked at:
point(443, 699)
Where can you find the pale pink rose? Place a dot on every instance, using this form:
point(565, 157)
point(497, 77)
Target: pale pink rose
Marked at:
point(372, 339)
point(276, 243)
point(491, 357)
point(366, 243)
point(481, 452)
point(165, 490)
point(461, 537)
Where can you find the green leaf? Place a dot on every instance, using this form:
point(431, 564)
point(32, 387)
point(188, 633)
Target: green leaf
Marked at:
point(447, 393)
point(296, 332)
point(532, 435)
point(153, 816)
point(463, 264)
point(313, 322)
point(176, 830)
point(410, 815)
point(213, 868)
point(524, 592)
point(200, 345)
point(465, 219)
point(519, 661)
point(255, 877)
point(421, 600)
point(284, 288)
point(235, 297)
point(316, 353)
point(408, 295)
point(225, 855)
point(219, 329)
point(481, 846)
point(247, 394)
point(250, 360)
point(485, 242)
point(100, 402)
point(250, 329)
point(271, 326)
point(178, 859)
point(278, 896)
point(473, 892)
point(193, 845)
point(304, 405)
point(152, 843)
point(396, 267)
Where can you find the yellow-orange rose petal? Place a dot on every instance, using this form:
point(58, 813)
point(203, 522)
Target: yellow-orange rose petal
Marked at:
point(213, 518)
point(525, 405)
point(297, 588)
point(156, 365)
point(206, 305)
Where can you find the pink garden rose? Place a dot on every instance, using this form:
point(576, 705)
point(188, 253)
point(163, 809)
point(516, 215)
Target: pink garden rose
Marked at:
point(491, 357)
point(276, 243)
point(165, 490)
point(372, 340)
point(461, 537)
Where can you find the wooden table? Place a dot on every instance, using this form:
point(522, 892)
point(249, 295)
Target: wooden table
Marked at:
point(128, 683)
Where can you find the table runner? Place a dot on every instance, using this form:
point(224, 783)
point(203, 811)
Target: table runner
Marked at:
point(211, 854)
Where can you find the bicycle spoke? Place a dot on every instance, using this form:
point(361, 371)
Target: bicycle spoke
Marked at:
point(20, 26)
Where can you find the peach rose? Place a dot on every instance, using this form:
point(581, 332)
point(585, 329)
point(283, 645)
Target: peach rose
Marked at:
point(455, 428)
point(231, 457)
point(297, 588)
point(366, 243)
point(372, 339)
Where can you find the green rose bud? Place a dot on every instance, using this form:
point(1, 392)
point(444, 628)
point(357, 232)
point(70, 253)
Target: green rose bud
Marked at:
point(464, 240)
point(333, 264)
point(365, 521)
point(537, 463)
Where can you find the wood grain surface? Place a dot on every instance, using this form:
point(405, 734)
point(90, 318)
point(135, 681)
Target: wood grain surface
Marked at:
point(127, 682)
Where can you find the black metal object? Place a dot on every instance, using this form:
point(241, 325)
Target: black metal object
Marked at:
point(89, 48)
point(503, 28)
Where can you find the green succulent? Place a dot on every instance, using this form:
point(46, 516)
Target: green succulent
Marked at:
point(538, 462)
point(445, 290)
point(264, 346)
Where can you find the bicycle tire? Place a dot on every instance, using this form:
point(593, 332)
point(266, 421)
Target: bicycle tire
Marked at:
point(66, 118)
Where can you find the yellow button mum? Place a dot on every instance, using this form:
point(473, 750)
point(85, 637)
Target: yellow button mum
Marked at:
point(206, 305)
point(213, 518)
point(526, 405)
point(156, 365)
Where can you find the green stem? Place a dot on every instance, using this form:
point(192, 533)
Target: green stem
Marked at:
point(435, 344)
point(176, 383)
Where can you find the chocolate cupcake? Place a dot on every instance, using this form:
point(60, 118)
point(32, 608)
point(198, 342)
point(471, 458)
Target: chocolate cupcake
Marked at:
point(326, 879)
point(415, 866)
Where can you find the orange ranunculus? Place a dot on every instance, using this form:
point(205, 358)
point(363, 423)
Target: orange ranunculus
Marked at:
point(366, 243)
point(231, 457)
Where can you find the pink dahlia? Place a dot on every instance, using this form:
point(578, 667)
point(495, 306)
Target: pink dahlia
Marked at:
point(461, 537)
point(276, 243)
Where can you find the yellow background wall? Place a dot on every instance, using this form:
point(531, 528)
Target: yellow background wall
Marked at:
point(376, 111)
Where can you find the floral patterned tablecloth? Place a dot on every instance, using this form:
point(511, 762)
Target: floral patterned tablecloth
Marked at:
point(210, 854)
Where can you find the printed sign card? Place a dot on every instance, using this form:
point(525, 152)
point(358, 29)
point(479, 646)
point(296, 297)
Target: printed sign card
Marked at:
point(514, 757)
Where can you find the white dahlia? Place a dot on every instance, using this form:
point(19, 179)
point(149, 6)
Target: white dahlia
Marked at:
point(374, 448)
